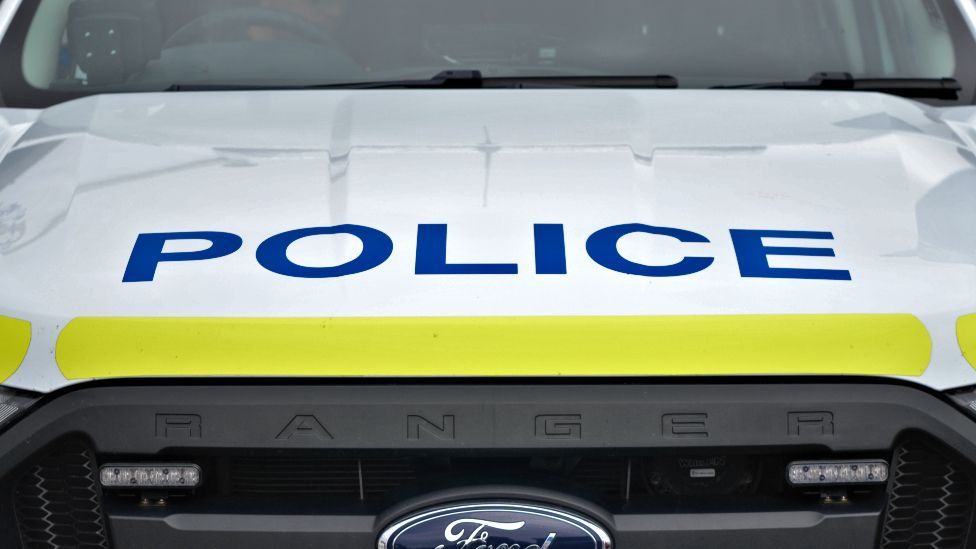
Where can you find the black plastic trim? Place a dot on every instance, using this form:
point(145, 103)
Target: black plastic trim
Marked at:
point(849, 526)
point(852, 417)
point(743, 414)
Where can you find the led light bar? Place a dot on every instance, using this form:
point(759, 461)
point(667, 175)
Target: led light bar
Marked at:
point(803, 473)
point(165, 475)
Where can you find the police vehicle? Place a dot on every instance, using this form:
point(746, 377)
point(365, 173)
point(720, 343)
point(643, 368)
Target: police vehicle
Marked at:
point(533, 274)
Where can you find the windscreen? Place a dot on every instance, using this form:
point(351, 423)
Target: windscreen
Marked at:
point(82, 46)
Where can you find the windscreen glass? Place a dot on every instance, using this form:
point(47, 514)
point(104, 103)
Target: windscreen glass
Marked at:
point(129, 45)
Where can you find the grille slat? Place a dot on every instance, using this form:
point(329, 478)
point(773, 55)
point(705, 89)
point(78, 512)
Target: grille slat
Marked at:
point(58, 502)
point(930, 502)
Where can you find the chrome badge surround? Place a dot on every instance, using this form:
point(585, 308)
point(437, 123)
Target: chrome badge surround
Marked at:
point(454, 535)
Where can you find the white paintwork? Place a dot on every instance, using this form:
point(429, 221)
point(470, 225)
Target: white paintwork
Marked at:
point(891, 178)
point(7, 10)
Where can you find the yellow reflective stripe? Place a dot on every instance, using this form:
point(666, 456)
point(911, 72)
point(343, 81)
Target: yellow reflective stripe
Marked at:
point(495, 346)
point(15, 337)
point(966, 331)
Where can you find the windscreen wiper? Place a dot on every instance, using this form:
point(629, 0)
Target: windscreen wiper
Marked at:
point(460, 79)
point(474, 79)
point(445, 79)
point(916, 88)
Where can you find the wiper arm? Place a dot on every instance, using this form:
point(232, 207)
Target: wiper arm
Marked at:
point(917, 88)
point(461, 79)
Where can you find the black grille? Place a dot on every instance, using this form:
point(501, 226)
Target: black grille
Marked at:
point(930, 502)
point(57, 501)
point(607, 476)
point(316, 475)
point(369, 477)
point(612, 479)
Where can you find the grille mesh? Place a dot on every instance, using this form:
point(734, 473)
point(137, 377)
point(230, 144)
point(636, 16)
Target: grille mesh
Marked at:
point(608, 476)
point(57, 502)
point(317, 475)
point(930, 503)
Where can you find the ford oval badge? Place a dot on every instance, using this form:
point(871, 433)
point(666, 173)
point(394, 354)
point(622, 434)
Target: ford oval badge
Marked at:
point(495, 526)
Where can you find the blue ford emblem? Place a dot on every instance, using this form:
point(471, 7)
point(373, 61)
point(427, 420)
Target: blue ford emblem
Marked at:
point(495, 526)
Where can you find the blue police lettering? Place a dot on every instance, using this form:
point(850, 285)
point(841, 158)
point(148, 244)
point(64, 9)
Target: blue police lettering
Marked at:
point(753, 255)
point(272, 254)
point(602, 247)
point(148, 253)
point(431, 258)
point(550, 249)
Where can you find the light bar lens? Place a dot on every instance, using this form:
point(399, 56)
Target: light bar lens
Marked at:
point(837, 472)
point(150, 476)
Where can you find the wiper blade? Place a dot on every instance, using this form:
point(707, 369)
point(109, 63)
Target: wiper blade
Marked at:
point(916, 88)
point(474, 79)
point(662, 81)
point(445, 79)
point(459, 79)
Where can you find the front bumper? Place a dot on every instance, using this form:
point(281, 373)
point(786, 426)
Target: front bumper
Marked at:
point(313, 465)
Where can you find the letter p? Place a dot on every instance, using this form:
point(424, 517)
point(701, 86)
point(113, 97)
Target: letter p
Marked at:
point(148, 253)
